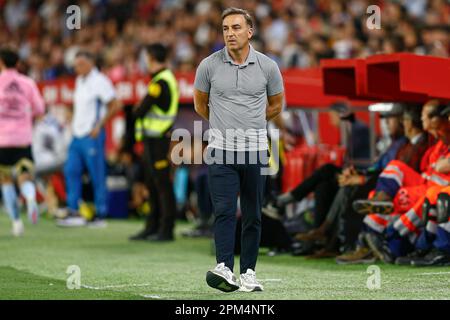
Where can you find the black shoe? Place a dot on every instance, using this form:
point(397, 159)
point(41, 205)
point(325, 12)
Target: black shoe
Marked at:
point(301, 248)
point(379, 246)
point(370, 206)
point(406, 260)
point(160, 238)
point(434, 258)
point(143, 235)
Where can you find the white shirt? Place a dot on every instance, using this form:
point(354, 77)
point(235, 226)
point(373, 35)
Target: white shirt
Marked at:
point(92, 93)
point(50, 143)
point(416, 138)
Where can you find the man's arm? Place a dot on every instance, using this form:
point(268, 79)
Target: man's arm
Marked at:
point(274, 106)
point(442, 165)
point(201, 100)
point(159, 94)
point(288, 139)
point(202, 86)
point(37, 102)
point(106, 94)
point(113, 107)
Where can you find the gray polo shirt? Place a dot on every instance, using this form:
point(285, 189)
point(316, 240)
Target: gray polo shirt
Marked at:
point(238, 98)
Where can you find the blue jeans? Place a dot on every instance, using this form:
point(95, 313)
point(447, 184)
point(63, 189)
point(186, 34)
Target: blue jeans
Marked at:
point(87, 153)
point(226, 182)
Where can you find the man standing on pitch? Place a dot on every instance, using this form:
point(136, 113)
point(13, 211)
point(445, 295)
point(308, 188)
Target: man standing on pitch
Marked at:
point(237, 89)
point(95, 103)
point(20, 104)
point(155, 118)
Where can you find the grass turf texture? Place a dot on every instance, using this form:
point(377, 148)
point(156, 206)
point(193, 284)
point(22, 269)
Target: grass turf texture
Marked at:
point(34, 267)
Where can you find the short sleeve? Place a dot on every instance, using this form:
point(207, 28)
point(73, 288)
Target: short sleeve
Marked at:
point(275, 80)
point(202, 78)
point(106, 91)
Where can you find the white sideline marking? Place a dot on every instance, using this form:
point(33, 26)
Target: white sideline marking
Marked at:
point(433, 273)
point(116, 286)
point(148, 296)
point(270, 280)
point(151, 296)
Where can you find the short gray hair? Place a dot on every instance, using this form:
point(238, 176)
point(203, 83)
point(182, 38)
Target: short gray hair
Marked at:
point(230, 11)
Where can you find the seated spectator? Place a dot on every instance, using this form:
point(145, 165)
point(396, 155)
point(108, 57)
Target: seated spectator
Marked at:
point(432, 246)
point(353, 184)
point(51, 138)
point(397, 217)
point(323, 182)
point(340, 219)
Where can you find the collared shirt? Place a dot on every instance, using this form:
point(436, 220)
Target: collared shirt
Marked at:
point(92, 93)
point(238, 98)
point(20, 101)
point(416, 138)
point(390, 154)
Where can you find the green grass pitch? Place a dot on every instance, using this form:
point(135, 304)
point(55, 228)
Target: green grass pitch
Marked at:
point(34, 267)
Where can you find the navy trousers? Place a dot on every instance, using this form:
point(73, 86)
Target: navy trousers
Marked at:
point(229, 179)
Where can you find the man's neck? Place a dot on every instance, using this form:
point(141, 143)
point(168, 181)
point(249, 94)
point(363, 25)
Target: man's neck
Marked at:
point(239, 56)
point(411, 134)
point(433, 133)
point(84, 76)
point(158, 69)
point(2, 69)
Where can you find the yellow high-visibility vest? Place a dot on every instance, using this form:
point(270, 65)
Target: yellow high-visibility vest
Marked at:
point(156, 122)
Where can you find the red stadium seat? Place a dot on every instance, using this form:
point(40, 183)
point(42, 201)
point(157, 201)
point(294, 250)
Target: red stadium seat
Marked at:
point(301, 162)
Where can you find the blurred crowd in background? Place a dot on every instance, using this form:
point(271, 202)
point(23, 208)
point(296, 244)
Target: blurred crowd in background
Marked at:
point(295, 33)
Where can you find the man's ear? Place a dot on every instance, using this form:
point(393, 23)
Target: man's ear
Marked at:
point(250, 33)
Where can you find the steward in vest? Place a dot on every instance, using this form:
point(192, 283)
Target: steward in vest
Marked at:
point(154, 120)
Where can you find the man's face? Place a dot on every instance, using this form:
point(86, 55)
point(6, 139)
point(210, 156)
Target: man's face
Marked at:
point(236, 32)
point(82, 65)
point(426, 121)
point(393, 125)
point(151, 64)
point(407, 124)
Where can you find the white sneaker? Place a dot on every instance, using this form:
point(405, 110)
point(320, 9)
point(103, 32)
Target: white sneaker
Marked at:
point(97, 224)
point(222, 278)
point(71, 222)
point(17, 228)
point(249, 282)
